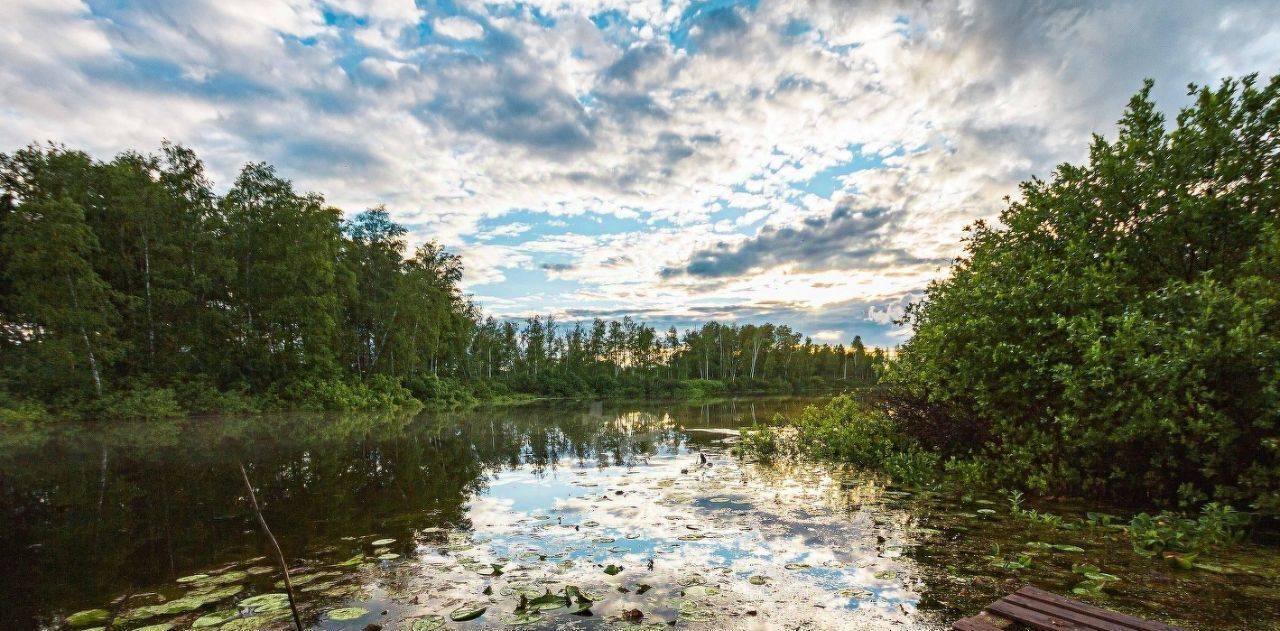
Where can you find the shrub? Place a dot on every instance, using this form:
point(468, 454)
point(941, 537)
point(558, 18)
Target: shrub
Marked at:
point(21, 413)
point(200, 396)
point(1118, 330)
point(701, 389)
point(138, 403)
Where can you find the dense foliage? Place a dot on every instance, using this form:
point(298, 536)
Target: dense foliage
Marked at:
point(1118, 330)
point(129, 288)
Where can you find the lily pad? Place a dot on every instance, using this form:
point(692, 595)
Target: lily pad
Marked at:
point(252, 623)
point(519, 618)
point(797, 566)
point(156, 627)
point(383, 542)
point(266, 602)
point(193, 578)
point(347, 613)
point(88, 617)
point(430, 622)
point(547, 602)
point(469, 611)
point(758, 580)
point(612, 570)
point(1062, 547)
point(216, 618)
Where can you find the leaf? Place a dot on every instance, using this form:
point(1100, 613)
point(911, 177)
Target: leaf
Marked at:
point(758, 580)
point(216, 618)
point(519, 618)
point(547, 602)
point(88, 617)
point(347, 613)
point(612, 570)
point(383, 542)
point(193, 578)
point(430, 622)
point(469, 611)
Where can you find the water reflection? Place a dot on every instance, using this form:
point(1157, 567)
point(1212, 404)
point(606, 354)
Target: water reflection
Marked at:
point(418, 515)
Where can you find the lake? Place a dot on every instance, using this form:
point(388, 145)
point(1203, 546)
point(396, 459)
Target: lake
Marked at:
point(401, 520)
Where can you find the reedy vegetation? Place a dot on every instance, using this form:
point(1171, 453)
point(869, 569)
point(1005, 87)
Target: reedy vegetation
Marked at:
point(1117, 333)
point(129, 288)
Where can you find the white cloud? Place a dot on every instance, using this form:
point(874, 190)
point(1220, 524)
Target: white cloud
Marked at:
point(700, 142)
point(458, 27)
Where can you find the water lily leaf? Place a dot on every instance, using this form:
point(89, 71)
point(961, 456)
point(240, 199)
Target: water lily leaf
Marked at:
point(692, 579)
point(547, 602)
point(252, 623)
point(612, 570)
point(88, 617)
point(797, 566)
point(853, 592)
point(885, 575)
point(430, 622)
point(259, 569)
point(193, 578)
point(701, 591)
point(347, 613)
point(469, 611)
point(758, 580)
point(266, 602)
point(383, 542)
point(642, 588)
point(216, 618)
point(519, 618)
point(388, 556)
point(156, 627)
point(223, 579)
point(352, 562)
point(1062, 547)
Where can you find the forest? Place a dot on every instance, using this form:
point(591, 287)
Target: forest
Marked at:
point(129, 288)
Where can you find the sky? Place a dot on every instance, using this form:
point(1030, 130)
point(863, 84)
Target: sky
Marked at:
point(801, 162)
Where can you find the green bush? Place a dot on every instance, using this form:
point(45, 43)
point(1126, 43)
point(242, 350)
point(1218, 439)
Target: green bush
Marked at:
point(761, 442)
point(1217, 525)
point(701, 389)
point(138, 403)
point(200, 396)
point(847, 430)
point(20, 413)
point(1118, 331)
point(434, 391)
point(380, 392)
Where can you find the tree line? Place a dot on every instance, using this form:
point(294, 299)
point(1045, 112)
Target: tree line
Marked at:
point(131, 286)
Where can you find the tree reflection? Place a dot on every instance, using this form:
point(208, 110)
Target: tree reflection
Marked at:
point(90, 512)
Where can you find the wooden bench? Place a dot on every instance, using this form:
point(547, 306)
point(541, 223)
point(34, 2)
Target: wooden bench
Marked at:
point(1041, 610)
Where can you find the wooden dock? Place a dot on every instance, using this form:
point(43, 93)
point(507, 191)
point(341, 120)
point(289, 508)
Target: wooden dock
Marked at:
point(1037, 609)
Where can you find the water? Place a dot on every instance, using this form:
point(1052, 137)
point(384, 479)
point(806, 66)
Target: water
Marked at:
point(486, 505)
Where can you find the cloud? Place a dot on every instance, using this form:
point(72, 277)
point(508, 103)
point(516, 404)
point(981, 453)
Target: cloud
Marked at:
point(844, 239)
point(458, 27)
point(669, 158)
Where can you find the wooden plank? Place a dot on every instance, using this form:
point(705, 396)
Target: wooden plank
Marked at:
point(973, 624)
point(1033, 618)
point(1084, 619)
point(1131, 622)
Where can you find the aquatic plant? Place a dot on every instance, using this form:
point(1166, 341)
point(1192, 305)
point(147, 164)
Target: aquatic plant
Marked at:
point(1216, 525)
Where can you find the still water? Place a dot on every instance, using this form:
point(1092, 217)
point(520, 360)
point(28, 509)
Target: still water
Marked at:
point(399, 521)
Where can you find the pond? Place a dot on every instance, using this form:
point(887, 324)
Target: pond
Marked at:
point(404, 521)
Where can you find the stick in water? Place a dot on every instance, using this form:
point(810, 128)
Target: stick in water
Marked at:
point(284, 567)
